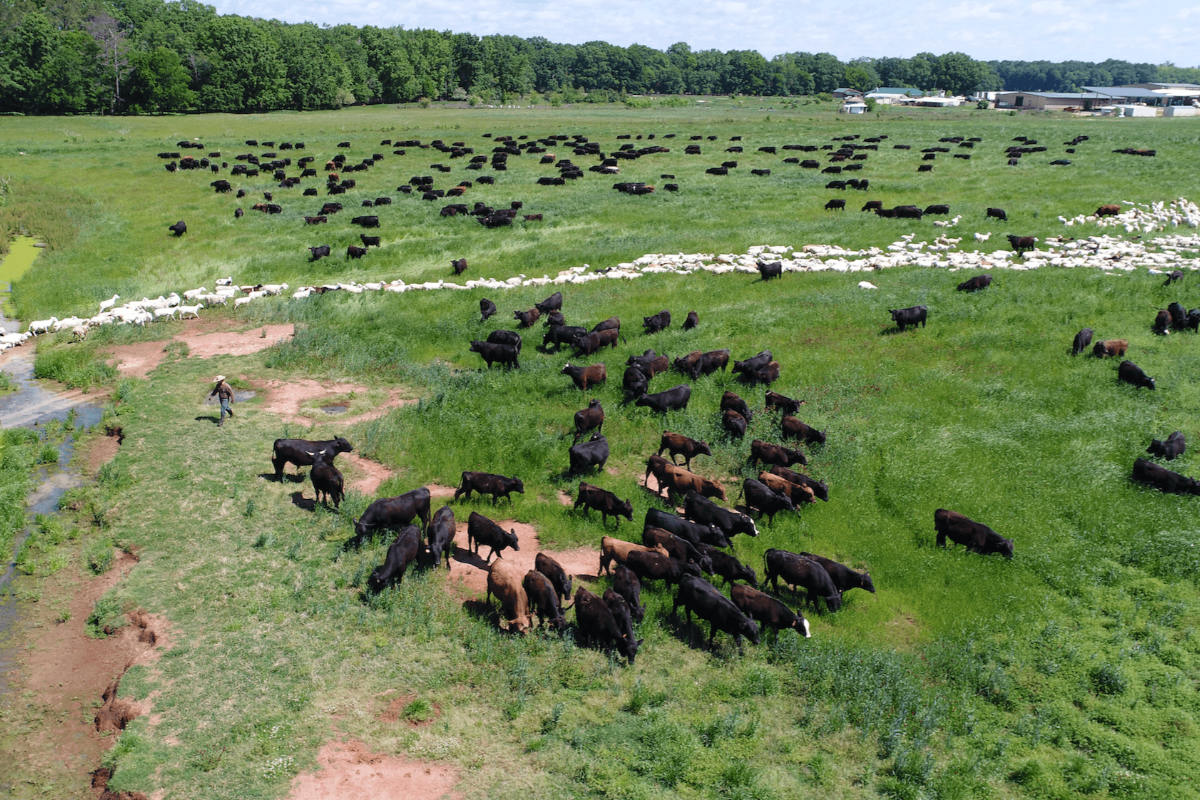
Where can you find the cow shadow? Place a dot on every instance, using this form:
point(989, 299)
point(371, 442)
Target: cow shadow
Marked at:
point(892, 331)
point(302, 502)
point(464, 556)
point(298, 477)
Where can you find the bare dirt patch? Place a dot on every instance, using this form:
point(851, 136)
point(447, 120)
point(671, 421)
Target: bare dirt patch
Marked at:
point(365, 476)
point(565, 499)
point(102, 450)
point(349, 770)
point(223, 343)
point(137, 360)
point(395, 711)
point(285, 398)
point(437, 491)
point(468, 572)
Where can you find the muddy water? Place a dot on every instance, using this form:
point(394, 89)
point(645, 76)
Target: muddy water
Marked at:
point(32, 405)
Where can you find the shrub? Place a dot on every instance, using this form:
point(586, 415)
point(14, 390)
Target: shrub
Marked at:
point(76, 366)
point(674, 102)
point(99, 555)
point(106, 617)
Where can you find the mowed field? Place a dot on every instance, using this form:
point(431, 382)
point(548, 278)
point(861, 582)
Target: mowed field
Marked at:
point(1069, 671)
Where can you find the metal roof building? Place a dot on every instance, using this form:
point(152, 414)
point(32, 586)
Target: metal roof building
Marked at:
point(1051, 101)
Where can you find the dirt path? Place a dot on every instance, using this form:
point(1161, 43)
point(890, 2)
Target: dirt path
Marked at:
point(349, 771)
point(285, 398)
point(365, 476)
point(204, 338)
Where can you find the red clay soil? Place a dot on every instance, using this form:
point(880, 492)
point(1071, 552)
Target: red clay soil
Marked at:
point(286, 397)
point(68, 672)
point(204, 338)
point(437, 491)
point(395, 711)
point(468, 572)
point(364, 475)
point(349, 771)
point(102, 450)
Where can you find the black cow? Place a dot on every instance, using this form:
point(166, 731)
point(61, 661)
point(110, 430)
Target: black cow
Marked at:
point(482, 531)
point(604, 501)
point(1163, 479)
point(634, 382)
point(975, 536)
point(389, 513)
point(620, 611)
point(543, 599)
point(317, 252)
point(693, 319)
point(673, 399)
point(909, 316)
point(760, 498)
point(1176, 275)
point(303, 452)
point(558, 335)
point(551, 303)
point(1020, 244)
point(510, 338)
point(793, 428)
point(441, 536)
point(997, 213)
point(487, 483)
point(179, 228)
point(353, 251)
point(589, 418)
point(1171, 449)
point(593, 452)
point(842, 576)
point(770, 270)
point(800, 572)
point(785, 404)
point(753, 364)
point(503, 353)
point(1132, 374)
point(486, 308)
point(837, 204)
point(731, 402)
point(677, 547)
point(706, 512)
point(596, 621)
point(327, 481)
point(1082, 340)
point(693, 532)
point(727, 566)
point(976, 283)
point(658, 322)
point(650, 565)
point(770, 612)
point(936, 210)
point(1178, 316)
point(400, 554)
point(366, 222)
point(698, 595)
point(558, 576)
point(626, 584)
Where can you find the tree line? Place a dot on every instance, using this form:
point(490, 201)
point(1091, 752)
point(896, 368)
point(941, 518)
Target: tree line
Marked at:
point(149, 56)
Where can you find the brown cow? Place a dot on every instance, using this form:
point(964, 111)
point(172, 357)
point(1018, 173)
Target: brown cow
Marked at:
point(528, 318)
point(585, 377)
point(1110, 347)
point(795, 492)
point(775, 454)
point(678, 481)
point(505, 581)
point(1110, 210)
point(678, 444)
point(612, 549)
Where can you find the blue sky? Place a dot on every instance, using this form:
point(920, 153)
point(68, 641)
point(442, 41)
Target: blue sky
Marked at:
point(1090, 30)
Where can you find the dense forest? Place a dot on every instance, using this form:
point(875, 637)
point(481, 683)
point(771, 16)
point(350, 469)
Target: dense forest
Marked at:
point(147, 56)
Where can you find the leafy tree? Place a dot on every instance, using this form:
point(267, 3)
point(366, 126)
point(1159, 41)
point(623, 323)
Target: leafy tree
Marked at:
point(158, 82)
point(246, 72)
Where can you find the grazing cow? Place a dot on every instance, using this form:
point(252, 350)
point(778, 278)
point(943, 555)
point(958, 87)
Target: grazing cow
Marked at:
point(1110, 210)
point(482, 531)
point(596, 622)
point(441, 536)
point(677, 480)
point(819, 489)
point(620, 611)
point(389, 513)
point(706, 512)
point(775, 454)
point(486, 483)
point(709, 363)
point(527, 318)
point(760, 498)
point(649, 363)
point(543, 599)
point(997, 213)
point(559, 579)
point(687, 364)
point(693, 319)
point(836, 204)
point(586, 377)
point(726, 566)
point(800, 572)
point(179, 228)
point(658, 322)
point(612, 323)
point(698, 595)
point(1176, 275)
point(459, 265)
point(772, 270)
point(1162, 323)
point(511, 338)
point(1021, 244)
point(318, 252)
point(733, 423)
point(366, 222)
point(731, 402)
point(676, 546)
point(593, 452)
point(909, 316)
point(775, 400)
point(975, 536)
point(551, 303)
point(402, 552)
point(1132, 374)
point(604, 501)
point(763, 608)
point(634, 382)
point(532, 217)
point(503, 353)
point(1178, 316)
point(937, 210)
point(1171, 449)
point(975, 284)
point(238, 213)
point(1082, 340)
point(1163, 479)
point(925, 168)
point(588, 419)
point(618, 550)
point(674, 399)
point(554, 318)
point(317, 220)
point(593, 342)
point(678, 444)
point(506, 582)
point(656, 565)
point(842, 576)
point(355, 252)
point(872, 205)
point(626, 584)
point(486, 309)
point(693, 532)
point(767, 375)
point(327, 481)
point(303, 453)
point(795, 429)
point(795, 491)
point(1110, 347)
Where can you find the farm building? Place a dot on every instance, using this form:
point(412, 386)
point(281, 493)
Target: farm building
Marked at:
point(847, 94)
point(1052, 101)
point(1126, 95)
point(892, 94)
point(853, 107)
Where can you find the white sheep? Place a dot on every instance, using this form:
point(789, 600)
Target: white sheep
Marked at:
point(79, 333)
point(193, 310)
point(105, 305)
point(69, 322)
point(165, 312)
point(192, 294)
point(42, 325)
point(224, 282)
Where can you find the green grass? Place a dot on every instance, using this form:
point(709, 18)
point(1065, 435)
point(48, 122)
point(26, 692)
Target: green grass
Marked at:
point(1070, 671)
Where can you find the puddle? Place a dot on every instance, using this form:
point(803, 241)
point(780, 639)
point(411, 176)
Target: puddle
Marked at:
point(241, 395)
point(335, 409)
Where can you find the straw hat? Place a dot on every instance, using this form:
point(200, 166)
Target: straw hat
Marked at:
point(218, 379)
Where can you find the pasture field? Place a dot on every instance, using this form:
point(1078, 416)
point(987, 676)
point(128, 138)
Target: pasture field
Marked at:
point(1069, 671)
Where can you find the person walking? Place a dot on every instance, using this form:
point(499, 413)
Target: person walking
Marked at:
point(223, 392)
